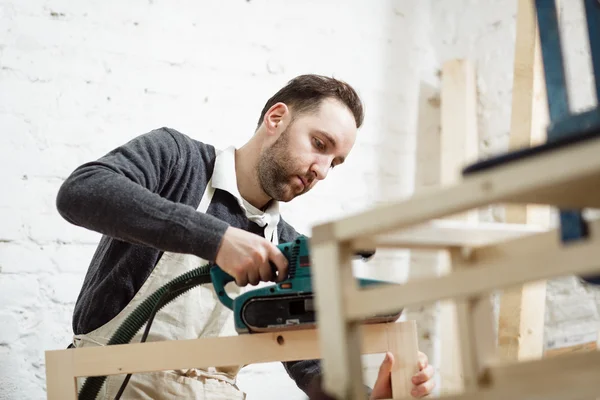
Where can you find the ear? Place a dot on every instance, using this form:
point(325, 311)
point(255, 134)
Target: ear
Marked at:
point(276, 118)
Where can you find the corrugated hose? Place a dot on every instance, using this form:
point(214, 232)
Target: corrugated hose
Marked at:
point(145, 313)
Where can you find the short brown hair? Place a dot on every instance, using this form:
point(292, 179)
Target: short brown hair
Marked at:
point(304, 93)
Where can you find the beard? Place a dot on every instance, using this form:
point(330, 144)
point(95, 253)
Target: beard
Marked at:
point(274, 169)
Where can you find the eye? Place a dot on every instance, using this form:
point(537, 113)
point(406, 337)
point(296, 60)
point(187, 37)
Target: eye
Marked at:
point(319, 144)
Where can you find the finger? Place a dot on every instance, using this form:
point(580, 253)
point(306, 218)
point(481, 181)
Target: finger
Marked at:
point(423, 360)
point(386, 366)
point(241, 280)
point(423, 389)
point(280, 261)
point(423, 376)
point(265, 272)
point(382, 389)
point(253, 276)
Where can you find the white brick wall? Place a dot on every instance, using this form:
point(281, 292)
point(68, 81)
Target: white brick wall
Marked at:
point(78, 78)
point(484, 31)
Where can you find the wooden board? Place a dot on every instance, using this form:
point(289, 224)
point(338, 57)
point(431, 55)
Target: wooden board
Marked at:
point(577, 348)
point(495, 267)
point(521, 310)
point(338, 339)
point(459, 147)
point(567, 377)
point(443, 234)
point(564, 377)
point(62, 366)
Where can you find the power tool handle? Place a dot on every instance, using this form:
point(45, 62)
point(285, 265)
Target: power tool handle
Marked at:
point(219, 279)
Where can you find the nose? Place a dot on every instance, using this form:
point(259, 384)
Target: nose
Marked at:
point(321, 168)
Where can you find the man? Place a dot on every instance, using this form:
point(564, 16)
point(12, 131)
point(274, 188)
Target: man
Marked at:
point(166, 203)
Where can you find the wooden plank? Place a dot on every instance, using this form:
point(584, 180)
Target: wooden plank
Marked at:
point(542, 180)
point(459, 140)
point(565, 377)
point(206, 352)
point(529, 115)
point(62, 366)
point(582, 347)
point(500, 266)
point(60, 376)
point(443, 234)
point(521, 316)
point(475, 323)
point(459, 147)
point(573, 376)
point(403, 343)
point(339, 340)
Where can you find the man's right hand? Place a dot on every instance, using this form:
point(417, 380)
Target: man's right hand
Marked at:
point(245, 256)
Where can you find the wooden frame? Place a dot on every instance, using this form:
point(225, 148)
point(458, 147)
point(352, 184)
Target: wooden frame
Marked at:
point(478, 269)
point(64, 366)
point(482, 261)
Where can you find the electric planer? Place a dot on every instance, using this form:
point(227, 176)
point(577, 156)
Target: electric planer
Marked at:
point(287, 305)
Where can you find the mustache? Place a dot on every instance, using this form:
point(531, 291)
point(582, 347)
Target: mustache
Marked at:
point(308, 178)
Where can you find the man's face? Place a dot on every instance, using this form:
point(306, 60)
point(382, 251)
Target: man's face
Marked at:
point(305, 152)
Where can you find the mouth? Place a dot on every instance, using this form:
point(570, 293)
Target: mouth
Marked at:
point(302, 182)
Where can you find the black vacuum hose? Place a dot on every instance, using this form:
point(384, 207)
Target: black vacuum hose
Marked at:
point(142, 313)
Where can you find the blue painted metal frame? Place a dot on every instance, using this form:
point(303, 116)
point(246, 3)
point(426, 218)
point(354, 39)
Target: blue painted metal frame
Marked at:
point(554, 70)
point(592, 13)
point(562, 123)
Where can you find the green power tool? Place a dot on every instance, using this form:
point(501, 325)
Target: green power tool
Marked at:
point(287, 305)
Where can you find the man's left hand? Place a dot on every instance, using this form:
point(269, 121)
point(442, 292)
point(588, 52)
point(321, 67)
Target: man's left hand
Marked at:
point(423, 382)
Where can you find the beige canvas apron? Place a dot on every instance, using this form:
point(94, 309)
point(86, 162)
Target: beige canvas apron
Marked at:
point(196, 314)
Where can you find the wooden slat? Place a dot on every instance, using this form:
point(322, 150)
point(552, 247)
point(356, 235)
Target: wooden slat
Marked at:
point(567, 178)
point(459, 139)
point(521, 316)
point(63, 366)
point(442, 234)
point(500, 266)
point(573, 376)
point(205, 352)
point(60, 376)
point(475, 326)
point(582, 347)
point(403, 343)
point(339, 340)
point(564, 377)
point(459, 147)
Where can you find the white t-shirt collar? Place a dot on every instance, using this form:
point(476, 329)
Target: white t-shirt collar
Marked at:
point(225, 178)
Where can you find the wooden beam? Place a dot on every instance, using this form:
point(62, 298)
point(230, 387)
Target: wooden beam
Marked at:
point(565, 377)
point(62, 366)
point(459, 147)
point(459, 135)
point(403, 343)
point(60, 376)
point(577, 348)
point(487, 269)
point(518, 182)
point(339, 339)
point(442, 234)
point(521, 315)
